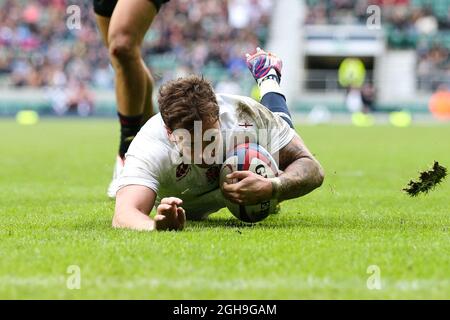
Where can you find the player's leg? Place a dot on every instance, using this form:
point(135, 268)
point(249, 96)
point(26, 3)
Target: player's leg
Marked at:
point(103, 25)
point(266, 69)
point(276, 103)
point(129, 22)
point(148, 112)
point(130, 125)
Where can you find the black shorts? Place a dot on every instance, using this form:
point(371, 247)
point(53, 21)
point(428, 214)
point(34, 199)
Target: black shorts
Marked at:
point(105, 8)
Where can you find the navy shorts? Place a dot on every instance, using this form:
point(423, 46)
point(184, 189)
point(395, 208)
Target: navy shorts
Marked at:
point(105, 8)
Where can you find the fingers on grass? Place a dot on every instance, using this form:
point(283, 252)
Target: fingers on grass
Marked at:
point(171, 201)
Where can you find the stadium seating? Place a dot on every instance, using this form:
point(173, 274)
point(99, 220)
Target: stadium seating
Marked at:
point(31, 56)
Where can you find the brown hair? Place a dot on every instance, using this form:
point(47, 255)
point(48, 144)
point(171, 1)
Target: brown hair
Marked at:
point(185, 100)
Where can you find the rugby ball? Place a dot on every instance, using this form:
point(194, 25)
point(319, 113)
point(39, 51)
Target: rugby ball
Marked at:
point(252, 157)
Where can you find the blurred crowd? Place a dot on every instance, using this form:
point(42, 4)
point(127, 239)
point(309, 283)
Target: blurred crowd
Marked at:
point(38, 49)
point(335, 11)
point(208, 37)
point(203, 31)
point(415, 17)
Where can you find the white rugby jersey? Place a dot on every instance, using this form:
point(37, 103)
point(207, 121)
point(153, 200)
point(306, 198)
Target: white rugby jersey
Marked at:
point(154, 161)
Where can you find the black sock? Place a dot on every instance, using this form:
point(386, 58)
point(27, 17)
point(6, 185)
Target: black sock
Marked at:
point(276, 103)
point(129, 127)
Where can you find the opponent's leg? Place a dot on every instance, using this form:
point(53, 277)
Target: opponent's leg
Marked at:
point(103, 26)
point(130, 124)
point(148, 111)
point(129, 22)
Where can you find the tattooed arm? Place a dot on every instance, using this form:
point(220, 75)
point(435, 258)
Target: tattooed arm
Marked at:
point(302, 174)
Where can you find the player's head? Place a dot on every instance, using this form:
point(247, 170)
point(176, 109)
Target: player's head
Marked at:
point(184, 104)
point(186, 100)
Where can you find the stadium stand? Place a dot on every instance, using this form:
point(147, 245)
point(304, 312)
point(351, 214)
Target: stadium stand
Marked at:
point(37, 50)
point(46, 66)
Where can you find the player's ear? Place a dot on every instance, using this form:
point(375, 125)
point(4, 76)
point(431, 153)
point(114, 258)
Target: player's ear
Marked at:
point(170, 135)
point(169, 132)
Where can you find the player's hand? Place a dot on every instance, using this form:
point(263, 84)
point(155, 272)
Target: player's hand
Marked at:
point(251, 189)
point(169, 215)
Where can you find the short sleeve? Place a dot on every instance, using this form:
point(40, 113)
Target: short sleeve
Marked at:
point(138, 171)
point(144, 163)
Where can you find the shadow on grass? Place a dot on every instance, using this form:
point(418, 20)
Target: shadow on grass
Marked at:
point(278, 221)
point(271, 222)
point(220, 222)
point(213, 222)
point(311, 221)
point(304, 222)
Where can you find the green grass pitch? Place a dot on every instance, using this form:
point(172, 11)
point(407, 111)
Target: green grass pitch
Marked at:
point(54, 213)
